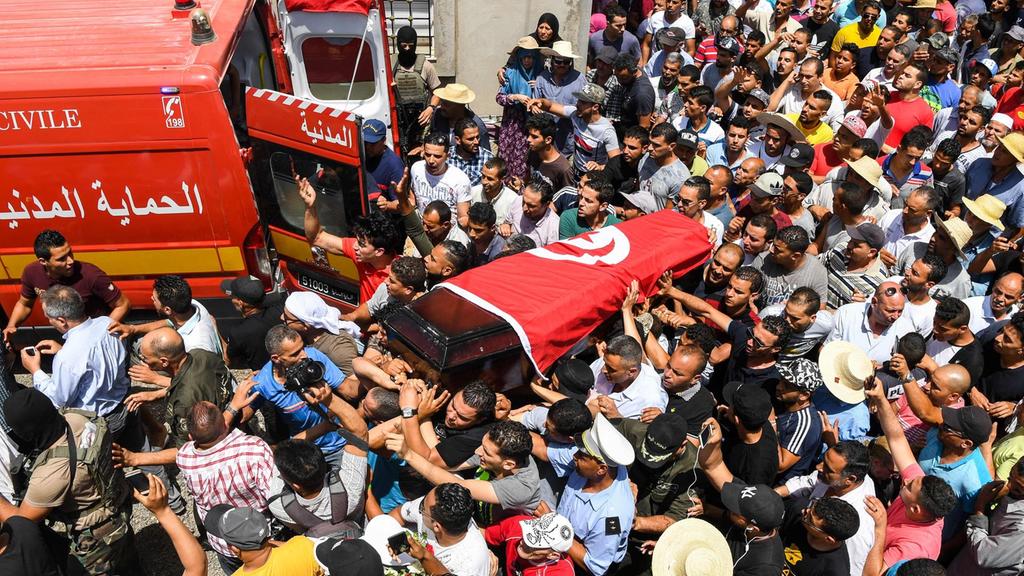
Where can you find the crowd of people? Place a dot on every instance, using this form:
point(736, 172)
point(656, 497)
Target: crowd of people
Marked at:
point(837, 389)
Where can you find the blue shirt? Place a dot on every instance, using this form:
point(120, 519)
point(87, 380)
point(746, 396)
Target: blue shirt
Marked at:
point(601, 520)
point(979, 282)
point(965, 476)
point(90, 372)
point(389, 169)
point(385, 485)
point(847, 13)
point(297, 415)
point(1008, 190)
point(948, 92)
point(854, 419)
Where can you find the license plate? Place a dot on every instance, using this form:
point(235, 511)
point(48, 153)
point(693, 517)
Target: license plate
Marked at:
point(329, 288)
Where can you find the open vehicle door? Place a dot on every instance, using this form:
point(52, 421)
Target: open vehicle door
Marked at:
point(292, 137)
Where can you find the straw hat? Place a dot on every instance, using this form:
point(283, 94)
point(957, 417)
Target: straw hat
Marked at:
point(560, 49)
point(458, 93)
point(987, 208)
point(691, 547)
point(958, 231)
point(526, 43)
point(781, 121)
point(844, 368)
point(1014, 142)
point(868, 169)
point(924, 4)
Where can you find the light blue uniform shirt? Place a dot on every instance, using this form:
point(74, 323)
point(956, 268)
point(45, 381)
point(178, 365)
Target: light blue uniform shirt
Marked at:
point(854, 419)
point(298, 416)
point(1008, 190)
point(965, 476)
point(596, 516)
point(90, 372)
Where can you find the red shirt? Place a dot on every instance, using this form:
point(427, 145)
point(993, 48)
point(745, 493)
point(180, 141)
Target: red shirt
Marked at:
point(825, 159)
point(369, 277)
point(905, 116)
point(1011, 103)
point(906, 539)
point(94, 286)
point(510, 533)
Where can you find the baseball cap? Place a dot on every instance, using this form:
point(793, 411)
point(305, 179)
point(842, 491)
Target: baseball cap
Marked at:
point(590, 93)
point(374, 131)
point(606, 54)
point(351, 557)
point(948, 54)
point(757, 503)
point(854, 123)
point(687, 138)
point(801, 373)
point(664, 436)
point(759, 95)
point(867, 232)
point(938, 40)
point(767, 184)
point(799, 156)
point(971, 422)
point(1016, 32)
point(987, 64)
point(645, 201)
point(244, 528)
point(246, 288)
point(551, 530)
point(751, 404)
point(727, 43)
point(670, 36)
point(575, 379)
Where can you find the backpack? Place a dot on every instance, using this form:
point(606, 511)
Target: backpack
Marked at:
point(311, 525)
point(98, 461)
point(410, 88)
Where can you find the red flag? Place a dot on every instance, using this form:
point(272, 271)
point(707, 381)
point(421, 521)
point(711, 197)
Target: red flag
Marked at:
point(556, 295)
point(354, 6)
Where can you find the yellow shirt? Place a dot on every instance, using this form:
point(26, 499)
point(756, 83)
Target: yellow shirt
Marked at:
point(293, 558)
point(700, 166)
point(822, 133)
point(851, 34)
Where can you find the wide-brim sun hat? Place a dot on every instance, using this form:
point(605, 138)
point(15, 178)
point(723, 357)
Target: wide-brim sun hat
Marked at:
point(844, 368)
point(560, 49)
point(781, 121)
point(691, 547)
point(526, 43)
point(987, 208)
point(457, 93)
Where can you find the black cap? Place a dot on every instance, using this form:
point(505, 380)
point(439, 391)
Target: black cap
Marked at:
point(349, 557)
point(243, 527)
point(245, 288)
point(971, 422)
point(664, 436)
point(606, 54)
point(575, 379)
point(799, 156)
point(757, 503)
point(751, 404)
point(687, 138)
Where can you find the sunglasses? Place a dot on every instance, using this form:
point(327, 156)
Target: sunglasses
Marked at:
point(561, 61)
point(950, 430)
point(757, 341)
point(890, 291)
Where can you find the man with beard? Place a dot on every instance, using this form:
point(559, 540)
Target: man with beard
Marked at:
point(728, 51)
point(460, 428)
point(848, 205)
point(840, 474)
point(795, 90)
point(706, 51)
point(623, 168)
point(687, 397)
point(919, 279)
point(999, 176)
point(415, 80)
point(872, 57)
point(665, 83)
point(947, 243)
point(864, 32)
point(741, 94)
point(855, 271)
point(437, 224)
point(756, 236)
point(719, 270)
point(660, 170)
point(533, 215)
point(447, 259)
point(941, 91)
point(544, 158)
point(906, 105)
point(873, 326)
point(731, 151)
point(952, 340)
point(947, 119)
point(778, 21)
point(809, 120)
point(592, 214)
point(910, 224)
point(743, 288)
point(467, 154)
point(970, 124)
point(885, 75)
point(997, 128)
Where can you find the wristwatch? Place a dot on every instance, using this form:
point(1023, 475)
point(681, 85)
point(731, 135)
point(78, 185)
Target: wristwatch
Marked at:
point(409, 412)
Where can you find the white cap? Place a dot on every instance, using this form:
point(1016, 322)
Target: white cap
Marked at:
point(605, 442)
point(1003, 119)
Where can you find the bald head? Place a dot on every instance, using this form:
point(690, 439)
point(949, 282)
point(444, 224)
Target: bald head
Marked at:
point(887, 304)
point(749, 170)
point(730, 22)
point(731, 251)
point(719, 176)
point(163, 343)
point(954, 378)
point(1010, 283)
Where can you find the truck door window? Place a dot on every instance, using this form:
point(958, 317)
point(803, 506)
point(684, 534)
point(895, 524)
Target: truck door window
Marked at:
point(331, 68)
point(336, 185)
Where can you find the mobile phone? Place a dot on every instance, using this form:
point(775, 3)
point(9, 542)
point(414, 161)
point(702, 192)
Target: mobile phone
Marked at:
point(705, 434)
point(30, 350)
point(138, 480)
point(399, 543)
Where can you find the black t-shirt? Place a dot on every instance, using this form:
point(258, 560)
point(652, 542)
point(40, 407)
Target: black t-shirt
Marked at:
point(867, 60)
point(457, 446)
point(246, 340)
point(1004, 262)
point(803, 560)
point(761, 558)
point(972, 358)
point(695, 410)
point(756, 463)
point(999, 384)
point(26, 553)
point(822, 35)
point(619, 172)
point(766, 378)
point(638, 101)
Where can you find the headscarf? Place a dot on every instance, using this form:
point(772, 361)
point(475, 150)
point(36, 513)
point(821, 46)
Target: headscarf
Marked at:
point(517, 78)
point(406, 34)
point(552, 21)
point(312, 311)
point(35, 422)
point(598, 22)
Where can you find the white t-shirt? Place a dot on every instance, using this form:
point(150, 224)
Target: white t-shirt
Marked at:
point(713, 223)
point(452, 187)
point(468, 557)
point(10, 463)
point(941, 352)
point(501, 203)
point(657, 22)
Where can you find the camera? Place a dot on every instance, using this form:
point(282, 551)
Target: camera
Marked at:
point(305, 374)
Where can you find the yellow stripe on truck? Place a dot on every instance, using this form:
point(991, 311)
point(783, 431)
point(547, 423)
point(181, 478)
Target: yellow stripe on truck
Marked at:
point(151, 262)
point(300, 251)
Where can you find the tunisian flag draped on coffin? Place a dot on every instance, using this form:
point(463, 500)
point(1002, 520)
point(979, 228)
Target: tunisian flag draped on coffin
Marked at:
point(556, 295)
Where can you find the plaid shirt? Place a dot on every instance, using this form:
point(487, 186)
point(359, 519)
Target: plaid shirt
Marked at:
point(613, 96)
point(474, 167)
point(236, 471)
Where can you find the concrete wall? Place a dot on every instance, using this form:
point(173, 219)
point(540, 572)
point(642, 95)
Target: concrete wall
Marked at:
point(473, 38)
